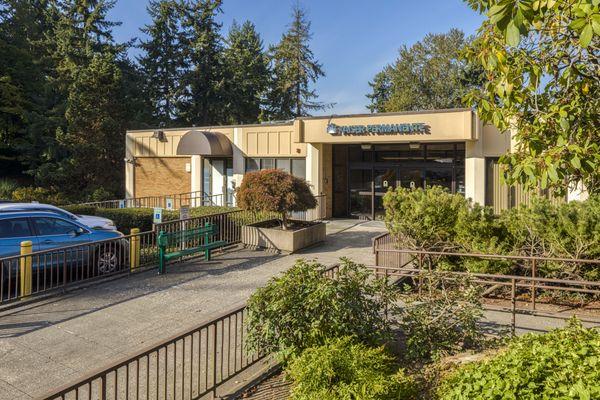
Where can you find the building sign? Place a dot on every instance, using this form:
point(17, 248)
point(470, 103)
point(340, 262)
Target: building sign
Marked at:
point(378, 129)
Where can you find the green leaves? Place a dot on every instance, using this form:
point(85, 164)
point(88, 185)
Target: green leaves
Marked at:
point(547, 95)
point(557, 365)
point(586, 35)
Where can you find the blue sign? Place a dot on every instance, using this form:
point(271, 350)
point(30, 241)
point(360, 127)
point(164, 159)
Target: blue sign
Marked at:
point(157, 216)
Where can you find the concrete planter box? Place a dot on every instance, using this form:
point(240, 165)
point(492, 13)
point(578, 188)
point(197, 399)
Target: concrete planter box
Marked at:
point(263, 235)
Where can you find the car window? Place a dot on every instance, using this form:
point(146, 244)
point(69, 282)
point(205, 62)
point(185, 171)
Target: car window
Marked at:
point(53, 226)
point(13, 228)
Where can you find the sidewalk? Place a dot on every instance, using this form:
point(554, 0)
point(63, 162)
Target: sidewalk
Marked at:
point(49, 343)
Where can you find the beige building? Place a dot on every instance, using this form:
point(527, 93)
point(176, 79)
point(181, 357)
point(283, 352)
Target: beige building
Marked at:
point(352, 160)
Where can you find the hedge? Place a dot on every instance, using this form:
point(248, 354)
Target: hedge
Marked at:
point(127, 218)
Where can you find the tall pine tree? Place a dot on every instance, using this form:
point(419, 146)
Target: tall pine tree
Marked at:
point(248, 73)
point(24, 87)
point(163, 60)
point(86, 157)
point(205, 98)
point(295, 69)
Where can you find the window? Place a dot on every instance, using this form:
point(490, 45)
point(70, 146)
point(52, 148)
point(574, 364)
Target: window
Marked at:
point(252, 164)
point(267, 163)
point(14, 228)
point(53, 226)
point(295, 166)
point(284, 164)
point(299, 167)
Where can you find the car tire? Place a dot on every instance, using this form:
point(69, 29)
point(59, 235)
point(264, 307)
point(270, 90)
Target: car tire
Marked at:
point(108, 260)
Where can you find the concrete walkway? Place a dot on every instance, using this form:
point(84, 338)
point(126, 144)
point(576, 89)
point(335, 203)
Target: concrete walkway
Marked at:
point(52, 342)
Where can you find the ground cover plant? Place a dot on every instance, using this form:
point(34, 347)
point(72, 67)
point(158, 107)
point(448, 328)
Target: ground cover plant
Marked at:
point(433, 219)
point(303, 308)
point(276, 191)
point(562, 364)
point(344, 369)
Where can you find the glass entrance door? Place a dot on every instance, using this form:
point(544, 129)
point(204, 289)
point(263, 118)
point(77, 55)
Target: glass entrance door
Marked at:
point(360, 185)
point(384, 180)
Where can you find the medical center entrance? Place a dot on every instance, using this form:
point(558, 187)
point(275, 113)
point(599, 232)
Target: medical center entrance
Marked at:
point(363, 173)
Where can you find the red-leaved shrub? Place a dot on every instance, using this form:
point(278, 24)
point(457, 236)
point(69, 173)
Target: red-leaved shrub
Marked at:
point(275, 190)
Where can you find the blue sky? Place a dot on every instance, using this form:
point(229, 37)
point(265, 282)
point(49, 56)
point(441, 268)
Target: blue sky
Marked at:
point(353, 39)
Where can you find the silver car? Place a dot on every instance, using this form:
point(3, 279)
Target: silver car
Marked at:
point(92, 221)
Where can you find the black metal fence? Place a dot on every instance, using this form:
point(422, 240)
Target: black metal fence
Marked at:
point(174, 201)
point(189, 365)
point(33, 273)
point(42, 271)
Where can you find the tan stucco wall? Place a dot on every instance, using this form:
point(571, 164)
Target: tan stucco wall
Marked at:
point(308, 137)
point(160, 176)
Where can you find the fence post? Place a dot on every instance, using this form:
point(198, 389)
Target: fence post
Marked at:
point(206, 241)
point(533, 275)
point(134, 249)
point(420, 273)
point(513, 305)
point(25, 268)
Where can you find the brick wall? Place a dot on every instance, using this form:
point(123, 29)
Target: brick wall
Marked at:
point(161, 176)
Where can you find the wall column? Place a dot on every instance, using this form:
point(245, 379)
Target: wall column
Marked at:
point(314, 164)
point(196, 178)
point(129, 167)
point(239, 162)
point(475, 171)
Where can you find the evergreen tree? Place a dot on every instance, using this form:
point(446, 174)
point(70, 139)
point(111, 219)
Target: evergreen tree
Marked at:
point(381, 90)
point(85, 156)
point(248, 73)
point(163, 61)
point(429, 75)
point(25, 127)
point(294, 70)
point(205, 100)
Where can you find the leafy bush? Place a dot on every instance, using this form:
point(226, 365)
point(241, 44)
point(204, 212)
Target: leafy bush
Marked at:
point(303, 308)
point(7, 187)
point(344, 370)
point(274, 190)
point(442, 320)
point(423, 219)
point(564, 363)
point(41, 195)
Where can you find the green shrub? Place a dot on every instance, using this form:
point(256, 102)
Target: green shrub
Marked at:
point(41, 195)
point(443, 319)
point(302, 308)
point(7, 187)
point(127, 218)
point(344, 370)
point(423, 219)
point(562, 364)
point(478, 230)
point(434, 219)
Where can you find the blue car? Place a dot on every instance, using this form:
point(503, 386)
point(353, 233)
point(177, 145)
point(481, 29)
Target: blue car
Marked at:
point(47, 231)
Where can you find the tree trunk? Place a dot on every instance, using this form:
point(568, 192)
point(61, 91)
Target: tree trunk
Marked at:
point(284, 221)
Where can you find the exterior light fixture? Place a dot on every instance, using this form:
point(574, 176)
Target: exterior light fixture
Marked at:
point(366, 146)
point(160, 135)
point(414, 145)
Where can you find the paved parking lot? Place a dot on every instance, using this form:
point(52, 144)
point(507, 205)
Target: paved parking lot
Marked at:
point(52, 342)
